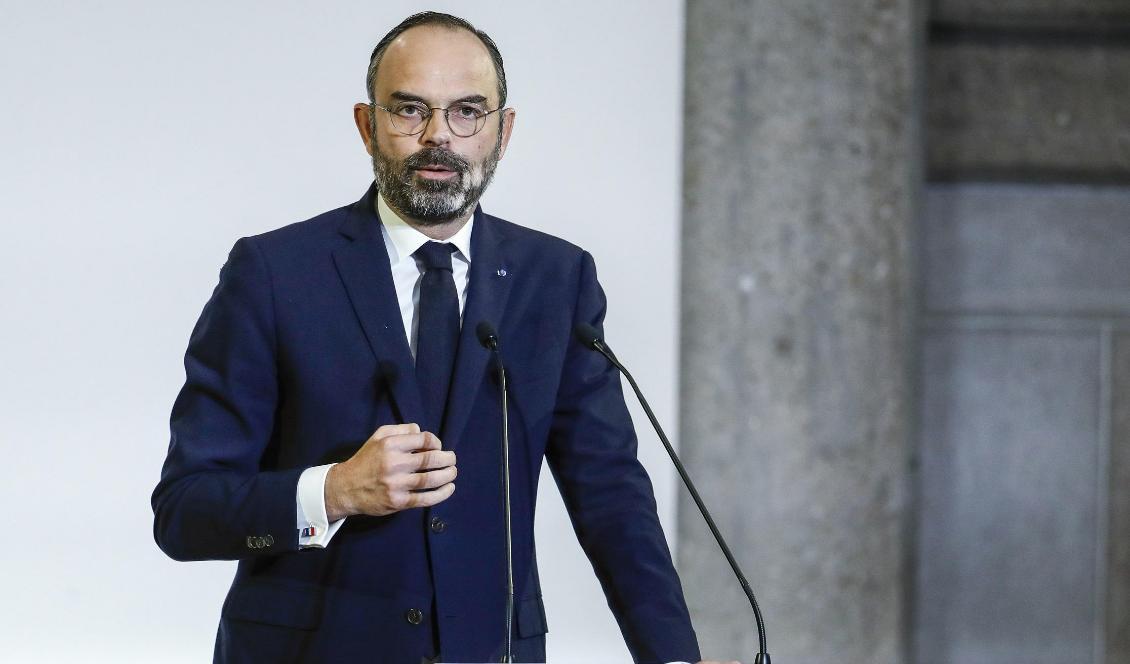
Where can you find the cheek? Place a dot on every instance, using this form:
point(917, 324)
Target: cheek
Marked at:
point(395, 147)
point(480, 148)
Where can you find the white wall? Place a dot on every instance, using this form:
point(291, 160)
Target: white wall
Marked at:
point(138, 140)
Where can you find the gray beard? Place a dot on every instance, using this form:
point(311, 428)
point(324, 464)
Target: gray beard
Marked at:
point(434, 202)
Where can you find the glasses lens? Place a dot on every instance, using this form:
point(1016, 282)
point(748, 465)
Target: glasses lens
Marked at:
point(465, 119)
point(409, 117)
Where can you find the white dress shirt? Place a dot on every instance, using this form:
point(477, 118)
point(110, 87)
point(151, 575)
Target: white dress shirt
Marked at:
point(401, 241)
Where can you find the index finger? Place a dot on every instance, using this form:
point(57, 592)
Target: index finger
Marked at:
point(388, 430)
point(415, 442)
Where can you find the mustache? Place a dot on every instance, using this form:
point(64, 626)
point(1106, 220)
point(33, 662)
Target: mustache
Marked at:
point(445, 158)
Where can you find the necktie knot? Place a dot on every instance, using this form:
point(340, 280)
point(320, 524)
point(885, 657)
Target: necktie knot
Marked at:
point(435, 255)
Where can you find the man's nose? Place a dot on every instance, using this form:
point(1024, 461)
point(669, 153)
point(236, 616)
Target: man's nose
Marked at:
point(436, 132)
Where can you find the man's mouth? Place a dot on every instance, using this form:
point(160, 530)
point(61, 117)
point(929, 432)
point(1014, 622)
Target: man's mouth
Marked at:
point(436, 172)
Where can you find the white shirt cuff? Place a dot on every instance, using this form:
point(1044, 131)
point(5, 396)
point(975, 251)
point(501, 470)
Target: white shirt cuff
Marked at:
point(314, 528)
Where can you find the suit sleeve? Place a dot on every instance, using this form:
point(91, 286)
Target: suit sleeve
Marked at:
point(592, 454)
point(214, 499)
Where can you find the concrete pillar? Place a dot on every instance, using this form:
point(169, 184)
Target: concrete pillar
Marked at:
point(801, 164)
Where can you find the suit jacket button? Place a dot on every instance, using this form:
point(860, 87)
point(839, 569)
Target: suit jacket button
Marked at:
point(414, 616)
point(438, 525)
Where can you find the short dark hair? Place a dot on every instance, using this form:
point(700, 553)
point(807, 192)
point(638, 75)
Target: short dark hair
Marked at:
point(445, 20)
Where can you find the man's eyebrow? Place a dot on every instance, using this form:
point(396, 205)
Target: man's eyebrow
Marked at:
point(400, 95)
point(405, 96)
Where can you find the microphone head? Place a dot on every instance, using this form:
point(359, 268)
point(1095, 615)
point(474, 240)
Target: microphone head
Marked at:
point(487, 336)
point(587, 335)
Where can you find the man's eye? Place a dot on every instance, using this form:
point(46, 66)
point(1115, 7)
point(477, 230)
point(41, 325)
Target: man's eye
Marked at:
point(410, 111)
point(467, 111)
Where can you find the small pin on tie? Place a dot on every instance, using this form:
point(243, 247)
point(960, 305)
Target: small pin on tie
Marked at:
point(501, 272)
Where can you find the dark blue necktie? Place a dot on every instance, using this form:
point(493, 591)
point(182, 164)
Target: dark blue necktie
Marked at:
point(437, 334)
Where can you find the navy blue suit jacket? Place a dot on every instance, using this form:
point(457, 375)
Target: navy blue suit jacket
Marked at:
point(300, 355)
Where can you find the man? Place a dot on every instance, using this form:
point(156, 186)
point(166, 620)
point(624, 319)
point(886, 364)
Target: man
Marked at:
point(336, 395)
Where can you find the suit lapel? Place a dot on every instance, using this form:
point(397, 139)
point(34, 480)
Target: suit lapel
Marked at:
point(487, 291)
point(364, 269)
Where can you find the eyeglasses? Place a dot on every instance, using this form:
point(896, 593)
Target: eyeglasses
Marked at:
point(463, 118)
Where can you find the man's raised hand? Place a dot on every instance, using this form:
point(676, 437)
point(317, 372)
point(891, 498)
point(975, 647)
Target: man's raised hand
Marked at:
point(398, 468)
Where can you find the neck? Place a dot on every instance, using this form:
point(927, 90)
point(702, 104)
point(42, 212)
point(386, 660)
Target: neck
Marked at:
point(441, 231)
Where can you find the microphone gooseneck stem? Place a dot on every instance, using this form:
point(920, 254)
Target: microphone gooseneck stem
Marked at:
point(506, 499)
point(489, 340)
point(762, 656)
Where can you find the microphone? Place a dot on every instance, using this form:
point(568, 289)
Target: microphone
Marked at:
point(590, 337)
point(487, 336)
point(489, 340)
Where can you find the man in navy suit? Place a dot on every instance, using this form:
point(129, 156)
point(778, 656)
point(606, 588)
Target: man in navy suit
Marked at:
point(336, 395)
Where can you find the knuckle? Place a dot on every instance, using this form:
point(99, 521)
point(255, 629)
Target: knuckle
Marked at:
point(388, 433)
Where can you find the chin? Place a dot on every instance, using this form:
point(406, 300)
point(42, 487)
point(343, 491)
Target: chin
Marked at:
point(430, 216)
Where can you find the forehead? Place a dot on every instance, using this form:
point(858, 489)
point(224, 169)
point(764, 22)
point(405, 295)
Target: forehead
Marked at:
point(437, 63)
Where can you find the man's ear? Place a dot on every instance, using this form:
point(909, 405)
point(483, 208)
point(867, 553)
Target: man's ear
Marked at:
point(362, 117)
point(508, 116)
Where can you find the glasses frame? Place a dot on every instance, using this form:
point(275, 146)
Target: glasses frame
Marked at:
point(431, 111)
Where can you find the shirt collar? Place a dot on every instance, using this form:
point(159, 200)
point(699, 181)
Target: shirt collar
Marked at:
point(402, 240)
